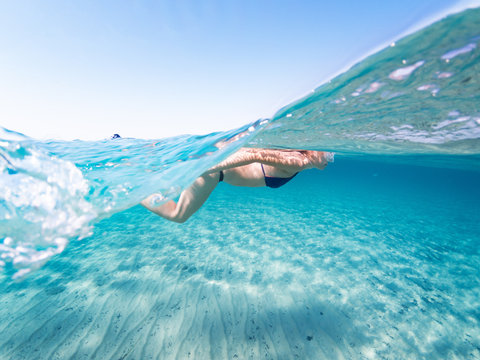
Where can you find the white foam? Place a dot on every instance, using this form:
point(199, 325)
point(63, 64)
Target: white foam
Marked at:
point(405, 72)
point(46, 205)
point(463, 50)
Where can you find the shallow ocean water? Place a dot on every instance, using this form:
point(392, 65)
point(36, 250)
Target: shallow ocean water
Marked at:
point(362, 260)
point(375, 257)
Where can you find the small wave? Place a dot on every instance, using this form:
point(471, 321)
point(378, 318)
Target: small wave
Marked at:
point(53, 191)
point(416, 82)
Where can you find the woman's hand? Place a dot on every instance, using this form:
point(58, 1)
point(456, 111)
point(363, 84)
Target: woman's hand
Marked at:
point(316, 159)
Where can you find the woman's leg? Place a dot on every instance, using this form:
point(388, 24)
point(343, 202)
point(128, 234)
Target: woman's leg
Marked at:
point(189, 202)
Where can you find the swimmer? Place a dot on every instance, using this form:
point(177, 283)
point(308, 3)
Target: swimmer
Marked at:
point(247, 167)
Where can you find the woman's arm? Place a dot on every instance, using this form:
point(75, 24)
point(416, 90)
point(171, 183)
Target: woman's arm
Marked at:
point(289, 160)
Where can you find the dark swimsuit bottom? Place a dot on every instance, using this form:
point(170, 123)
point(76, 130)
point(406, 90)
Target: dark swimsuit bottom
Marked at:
point(271, 182)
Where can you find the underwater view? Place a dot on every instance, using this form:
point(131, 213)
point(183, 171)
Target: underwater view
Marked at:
point(375, 257)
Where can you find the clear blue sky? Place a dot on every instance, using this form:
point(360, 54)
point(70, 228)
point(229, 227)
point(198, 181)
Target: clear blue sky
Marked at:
point(88, 69)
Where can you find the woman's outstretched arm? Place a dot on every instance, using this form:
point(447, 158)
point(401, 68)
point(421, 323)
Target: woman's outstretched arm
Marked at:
point(290, 160)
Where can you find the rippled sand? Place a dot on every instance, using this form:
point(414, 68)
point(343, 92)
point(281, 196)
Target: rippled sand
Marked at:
point(361, 261)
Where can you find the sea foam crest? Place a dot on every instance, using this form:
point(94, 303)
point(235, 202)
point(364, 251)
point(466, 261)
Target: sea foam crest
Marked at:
point(42, 204)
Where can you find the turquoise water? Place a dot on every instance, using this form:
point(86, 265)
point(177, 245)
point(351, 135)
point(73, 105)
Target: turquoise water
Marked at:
point(377, 256)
